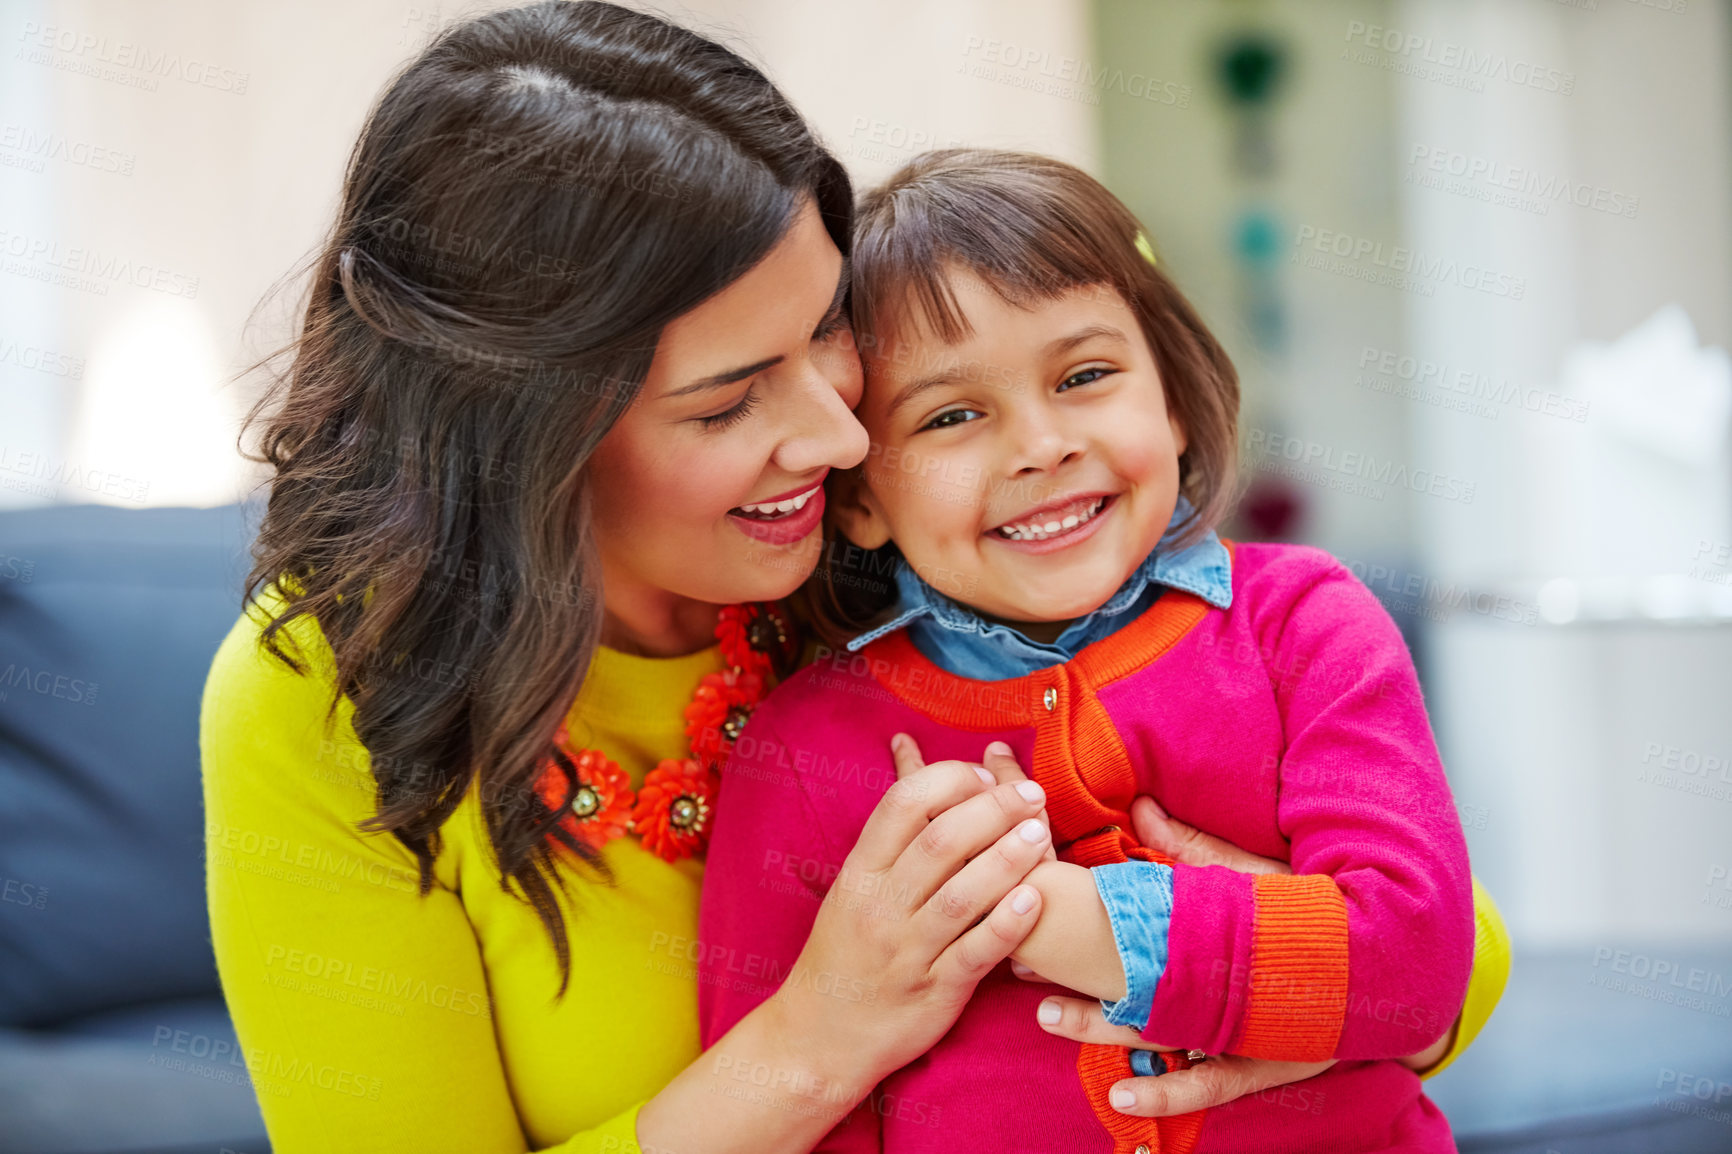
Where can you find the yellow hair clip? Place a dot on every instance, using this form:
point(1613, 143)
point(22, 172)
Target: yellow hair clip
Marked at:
point(1144, 247)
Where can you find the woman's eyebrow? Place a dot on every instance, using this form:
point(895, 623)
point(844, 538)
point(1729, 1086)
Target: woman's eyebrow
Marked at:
point(734, 376)
point(727, 377)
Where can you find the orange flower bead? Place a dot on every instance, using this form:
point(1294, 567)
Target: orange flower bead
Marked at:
point(674, 809)
point(600, 804)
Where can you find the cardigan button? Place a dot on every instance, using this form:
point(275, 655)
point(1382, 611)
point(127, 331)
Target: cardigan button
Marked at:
point(1050, 700)
point(1143, 1149)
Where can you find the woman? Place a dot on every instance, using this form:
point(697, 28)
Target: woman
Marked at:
point(574, 354)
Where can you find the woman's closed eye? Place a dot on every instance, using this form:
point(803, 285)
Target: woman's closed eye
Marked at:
point(734, 415)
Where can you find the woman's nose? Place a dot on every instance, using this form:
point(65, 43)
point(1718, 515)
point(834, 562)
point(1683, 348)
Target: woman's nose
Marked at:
point(823, 430)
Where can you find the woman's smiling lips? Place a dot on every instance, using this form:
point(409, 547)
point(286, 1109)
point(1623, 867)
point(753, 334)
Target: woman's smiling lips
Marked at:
point(784, 518)
point(1056, 526)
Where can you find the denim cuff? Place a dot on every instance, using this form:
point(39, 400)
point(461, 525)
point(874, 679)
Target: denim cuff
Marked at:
point(1138, 896)
point(1147, 1064)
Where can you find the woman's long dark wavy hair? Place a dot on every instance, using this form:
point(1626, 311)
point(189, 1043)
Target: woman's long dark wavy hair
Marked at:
point(531, 201)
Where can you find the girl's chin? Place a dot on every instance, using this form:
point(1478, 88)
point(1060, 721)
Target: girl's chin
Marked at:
point(1045, 610)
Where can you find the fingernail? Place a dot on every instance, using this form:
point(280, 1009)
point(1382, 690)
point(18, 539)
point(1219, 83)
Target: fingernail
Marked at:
point(1017, 967)
point(1121, 1098)
point(896, 743)
point(1022, 903)
point(1031, 792)
point(1031, 831)
point(1002, 749)
point(985, 776)
point(1049, 1013)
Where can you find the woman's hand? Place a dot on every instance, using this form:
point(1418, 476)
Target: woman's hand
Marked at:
point(1216, 1081)
point(1220, 1079)
point(930, 899)
point(1211, 1083)
point(927, 903)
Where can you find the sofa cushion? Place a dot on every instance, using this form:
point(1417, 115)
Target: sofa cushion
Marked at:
point(109, 619)
point(162, 1078)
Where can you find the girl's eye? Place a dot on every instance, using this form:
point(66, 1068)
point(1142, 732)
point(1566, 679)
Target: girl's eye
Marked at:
point(1086, 377)
point(952, 417)
point(732, 416)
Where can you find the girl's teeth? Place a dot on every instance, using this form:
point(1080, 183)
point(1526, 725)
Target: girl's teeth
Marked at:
point(776, 508)
point(1040, 532)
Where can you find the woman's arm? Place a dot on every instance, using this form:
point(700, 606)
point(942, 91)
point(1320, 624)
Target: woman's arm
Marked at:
point(322, 940)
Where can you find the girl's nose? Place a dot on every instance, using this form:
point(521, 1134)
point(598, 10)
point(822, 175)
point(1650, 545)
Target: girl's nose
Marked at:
point(1041, 444)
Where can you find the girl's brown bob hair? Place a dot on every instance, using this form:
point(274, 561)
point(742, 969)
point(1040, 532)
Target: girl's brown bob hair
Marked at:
point(1033, 228)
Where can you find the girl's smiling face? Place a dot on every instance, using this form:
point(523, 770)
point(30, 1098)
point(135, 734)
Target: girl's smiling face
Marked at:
point(1029, 468)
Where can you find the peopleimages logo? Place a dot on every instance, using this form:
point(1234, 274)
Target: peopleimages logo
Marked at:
point(1362, 468)
point(1368, 259)
point(1467, 384)
point(87, 52)
point(93, 267)
point(1445, 60)
point(1518, 187)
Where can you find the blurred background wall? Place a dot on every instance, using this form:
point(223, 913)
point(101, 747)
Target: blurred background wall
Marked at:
point(1471, 257)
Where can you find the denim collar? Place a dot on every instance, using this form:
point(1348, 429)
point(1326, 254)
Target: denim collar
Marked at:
point(961, 641)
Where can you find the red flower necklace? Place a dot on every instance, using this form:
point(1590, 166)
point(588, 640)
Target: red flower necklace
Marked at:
point(672, 812)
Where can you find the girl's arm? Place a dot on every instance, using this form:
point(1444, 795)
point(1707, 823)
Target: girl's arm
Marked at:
point(1225, 1078)
point(1364, 950)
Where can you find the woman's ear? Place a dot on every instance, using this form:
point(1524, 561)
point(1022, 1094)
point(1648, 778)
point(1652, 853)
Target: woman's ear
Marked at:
point(856, 509)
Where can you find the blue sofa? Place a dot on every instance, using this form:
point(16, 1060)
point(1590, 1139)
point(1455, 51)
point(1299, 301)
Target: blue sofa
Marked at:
point(113, 1035)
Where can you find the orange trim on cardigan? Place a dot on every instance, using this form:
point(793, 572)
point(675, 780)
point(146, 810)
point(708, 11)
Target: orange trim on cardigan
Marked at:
point(1083, 765)
point(1099, 1067)
point(1298, 981)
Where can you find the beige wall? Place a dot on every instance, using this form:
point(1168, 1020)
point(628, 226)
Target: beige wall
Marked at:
point(1333, 133)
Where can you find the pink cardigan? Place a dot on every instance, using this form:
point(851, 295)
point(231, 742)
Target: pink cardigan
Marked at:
point(1291, 724)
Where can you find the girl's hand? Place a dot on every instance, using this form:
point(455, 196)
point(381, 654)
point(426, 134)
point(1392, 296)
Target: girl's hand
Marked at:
point(927, 903)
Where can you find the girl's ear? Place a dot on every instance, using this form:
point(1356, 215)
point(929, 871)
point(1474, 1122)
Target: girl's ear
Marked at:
point(856, 510)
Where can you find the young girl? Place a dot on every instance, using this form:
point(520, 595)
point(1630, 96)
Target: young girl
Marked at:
point(1053, 436)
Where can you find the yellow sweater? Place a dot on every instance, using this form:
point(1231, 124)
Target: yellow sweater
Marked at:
point(373, 1019)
